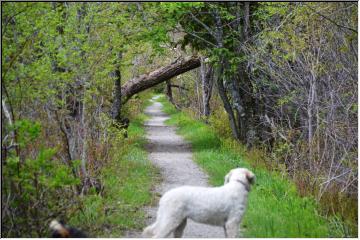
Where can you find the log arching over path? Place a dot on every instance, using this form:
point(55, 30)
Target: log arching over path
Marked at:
point(160, 75)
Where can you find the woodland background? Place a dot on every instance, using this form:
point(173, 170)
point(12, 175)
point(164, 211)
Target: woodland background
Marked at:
point(277, 78)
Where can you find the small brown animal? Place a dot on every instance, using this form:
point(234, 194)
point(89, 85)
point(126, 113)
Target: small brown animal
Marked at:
point(60, 230)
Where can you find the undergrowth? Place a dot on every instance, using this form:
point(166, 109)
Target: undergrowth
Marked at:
point(275, 208)
point(127, 182)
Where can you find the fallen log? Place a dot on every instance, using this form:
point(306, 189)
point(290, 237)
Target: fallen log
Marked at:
point(160, 75)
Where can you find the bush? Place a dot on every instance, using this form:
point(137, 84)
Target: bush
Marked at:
point(34, 189)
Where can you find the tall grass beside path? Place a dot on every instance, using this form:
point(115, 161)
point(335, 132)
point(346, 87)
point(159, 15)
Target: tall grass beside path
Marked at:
point(275, 209)
point(127, 179)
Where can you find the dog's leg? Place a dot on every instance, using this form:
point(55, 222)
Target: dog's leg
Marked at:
point(164, 231)
point(149, 231)
point(225, 232)
point(180, 229)
point(167, 226)
point(232, 228)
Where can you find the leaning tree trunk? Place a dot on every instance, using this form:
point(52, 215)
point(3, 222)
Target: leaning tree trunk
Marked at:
point(226, 102)
point(160, 75)
point(220, 77)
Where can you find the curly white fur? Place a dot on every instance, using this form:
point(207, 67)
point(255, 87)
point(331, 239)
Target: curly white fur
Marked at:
point(220, 206)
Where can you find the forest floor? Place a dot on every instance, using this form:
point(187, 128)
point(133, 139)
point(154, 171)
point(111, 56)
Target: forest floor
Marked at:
point(169, 152)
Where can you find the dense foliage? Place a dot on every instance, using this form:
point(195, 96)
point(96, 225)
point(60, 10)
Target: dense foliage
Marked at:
point(281, 77)
point(286, 74)
point(58, 65)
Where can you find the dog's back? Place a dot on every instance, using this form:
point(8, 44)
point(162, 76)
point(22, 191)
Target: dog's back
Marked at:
point(222, 206)
point(209, 205)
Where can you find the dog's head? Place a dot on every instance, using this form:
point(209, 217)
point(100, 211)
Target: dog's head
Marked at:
point(243, 175)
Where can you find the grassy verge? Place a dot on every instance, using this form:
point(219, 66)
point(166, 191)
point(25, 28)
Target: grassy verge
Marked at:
point(275, 209)
point(127, 181)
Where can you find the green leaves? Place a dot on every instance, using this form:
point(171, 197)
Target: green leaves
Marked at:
point(287, 99)
point(175, 10)
point(27, 131)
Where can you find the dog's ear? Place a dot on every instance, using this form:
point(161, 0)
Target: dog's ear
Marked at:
point(250, 177)
point(227, 177)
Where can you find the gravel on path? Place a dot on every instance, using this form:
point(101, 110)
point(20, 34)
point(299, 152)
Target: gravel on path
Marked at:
point(172, 155)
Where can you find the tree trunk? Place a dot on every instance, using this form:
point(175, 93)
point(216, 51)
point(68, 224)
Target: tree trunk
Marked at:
point(160, 75)
point(246, 20)
point(169, 92)
point(116, 106)
point(199, 105)
point(82, 80)
point(220, 77)
point(207, 77)
point(227, 105)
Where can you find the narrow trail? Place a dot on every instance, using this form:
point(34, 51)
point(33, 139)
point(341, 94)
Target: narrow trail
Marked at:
point(172, 155)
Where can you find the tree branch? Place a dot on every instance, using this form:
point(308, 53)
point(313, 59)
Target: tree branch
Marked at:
point(332, 21)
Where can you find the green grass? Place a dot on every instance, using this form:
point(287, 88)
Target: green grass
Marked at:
point(128, 180)
point(274, 209)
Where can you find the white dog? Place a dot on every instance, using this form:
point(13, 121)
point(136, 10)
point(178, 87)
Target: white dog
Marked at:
point(220, 206)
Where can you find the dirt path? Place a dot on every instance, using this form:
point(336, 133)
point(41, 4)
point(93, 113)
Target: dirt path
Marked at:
point(172, 155)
